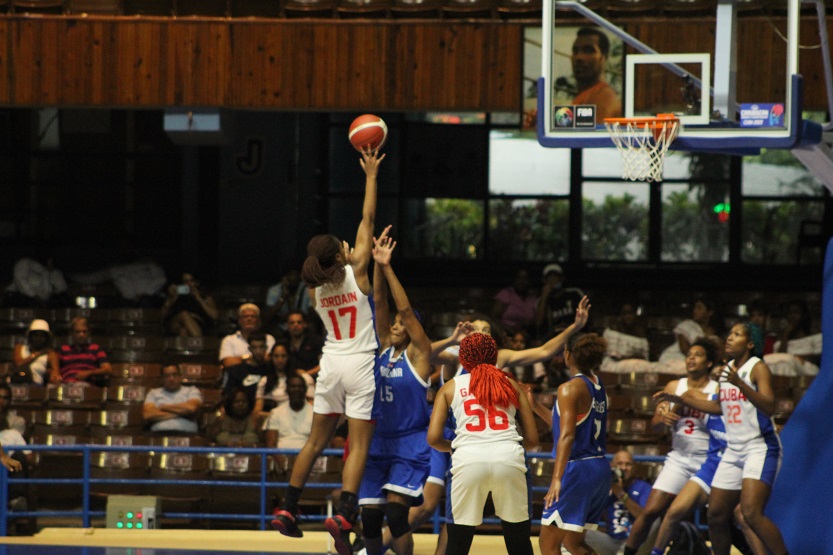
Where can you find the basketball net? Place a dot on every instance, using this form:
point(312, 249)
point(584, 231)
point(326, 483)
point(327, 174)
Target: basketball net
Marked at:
point(643, 143)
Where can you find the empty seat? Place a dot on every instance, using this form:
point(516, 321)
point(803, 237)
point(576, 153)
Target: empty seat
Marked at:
point(123, 421)
point(212, 397)
point(192, 349)
point(78, 396)
point(60, 422)
point(134, 321)
point(8, 343)
point(631, 430)
point(119, 396)
point(16, 320)
point(646, 381)
point(309, 8)
point(115, 465)
point(207, 375)
point(363, 8)
point(237, 468)
point(180, 498)
point(520, 8)
point(179, 441)
point(28, 396)
point(61, 318)
point(144, 373)
point(468, 8)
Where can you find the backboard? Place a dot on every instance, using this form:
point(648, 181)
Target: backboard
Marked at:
point(733, 81)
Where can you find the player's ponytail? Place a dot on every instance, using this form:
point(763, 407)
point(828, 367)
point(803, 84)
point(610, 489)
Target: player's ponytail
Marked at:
point(490, 386)
point(321, 266)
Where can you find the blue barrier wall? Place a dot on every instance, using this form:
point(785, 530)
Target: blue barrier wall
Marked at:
point(803, 494)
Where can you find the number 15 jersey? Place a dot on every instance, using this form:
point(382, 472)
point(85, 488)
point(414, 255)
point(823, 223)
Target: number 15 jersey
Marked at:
point(348, 316)
point(476, 427)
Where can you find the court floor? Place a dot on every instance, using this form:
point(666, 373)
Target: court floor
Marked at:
point(102, 541)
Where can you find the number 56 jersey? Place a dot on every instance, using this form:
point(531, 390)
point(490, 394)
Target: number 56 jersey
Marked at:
point(476, 427)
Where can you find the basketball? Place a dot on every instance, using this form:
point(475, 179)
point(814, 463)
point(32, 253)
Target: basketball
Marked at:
point(368, 131)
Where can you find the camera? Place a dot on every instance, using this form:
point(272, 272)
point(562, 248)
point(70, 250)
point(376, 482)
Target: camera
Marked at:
point(183, 290)
point(616, 475)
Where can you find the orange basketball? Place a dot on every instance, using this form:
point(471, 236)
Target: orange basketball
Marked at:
point(368, 131)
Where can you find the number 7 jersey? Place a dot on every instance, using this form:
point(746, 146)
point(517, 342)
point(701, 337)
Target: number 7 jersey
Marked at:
point(348, 316)
point(476, 427)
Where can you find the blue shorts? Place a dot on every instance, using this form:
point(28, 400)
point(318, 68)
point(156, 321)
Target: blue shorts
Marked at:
point(705, 475)
point(397, 465)
point(585, 488)
point(441, 461)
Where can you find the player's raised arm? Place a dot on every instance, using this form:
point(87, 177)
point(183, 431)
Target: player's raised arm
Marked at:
point(359, 257)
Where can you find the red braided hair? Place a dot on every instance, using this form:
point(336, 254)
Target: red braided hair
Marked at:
point(490, 386)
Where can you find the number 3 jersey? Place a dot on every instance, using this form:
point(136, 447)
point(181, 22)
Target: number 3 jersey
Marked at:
point(401, 394)
point(591, 428)
point(348, 316)
point(476, 427)
point(690, 434)
point(747, 428)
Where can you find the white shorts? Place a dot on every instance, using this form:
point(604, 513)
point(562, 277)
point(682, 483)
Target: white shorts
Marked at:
point(735, 467)
point(676, 472)
point(499, 470)
point(346, 385)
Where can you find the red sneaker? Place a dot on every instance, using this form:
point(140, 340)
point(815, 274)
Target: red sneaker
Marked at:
point(340, 528)
point(286, 523)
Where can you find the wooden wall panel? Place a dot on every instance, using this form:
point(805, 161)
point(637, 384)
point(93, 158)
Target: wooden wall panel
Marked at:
point(282, 64)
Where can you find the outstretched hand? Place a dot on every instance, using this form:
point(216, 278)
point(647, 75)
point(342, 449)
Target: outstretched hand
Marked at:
point(462, 330)
point(730, 374)
point(370, 161)
point(383, 248)
point(582, 312)
point(663, 396)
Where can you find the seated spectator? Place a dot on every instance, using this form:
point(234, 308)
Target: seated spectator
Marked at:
point(172, 408)
point(235, 347)
point(289, 424)
point(13, 463)
point(304, 346)
point(83, 361)
point(557, 304)
point(238, 426)
point(271, 391)
point(187, 311)
point(628, 496)
point(797, 352)
point(247, 374)
point(36, 361)
point(9, 419)
point(515, 305)
point(759, 315)
point(627, 343)
point(706, 321)
point(289, 295)
point(533, 374)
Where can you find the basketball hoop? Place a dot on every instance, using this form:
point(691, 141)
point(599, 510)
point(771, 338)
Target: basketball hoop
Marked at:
point(643, 142)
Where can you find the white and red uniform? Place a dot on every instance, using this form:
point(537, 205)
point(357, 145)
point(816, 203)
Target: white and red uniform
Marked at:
point(689, 443)
point(487, 457)
point(346, 382)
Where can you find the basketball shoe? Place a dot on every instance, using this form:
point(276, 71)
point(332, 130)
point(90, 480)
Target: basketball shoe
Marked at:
point(286, 523)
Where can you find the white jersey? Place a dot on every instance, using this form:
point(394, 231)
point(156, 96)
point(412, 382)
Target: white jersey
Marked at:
point(348, 316)
point(747, 428)
point(476, 428)
point(690, 435)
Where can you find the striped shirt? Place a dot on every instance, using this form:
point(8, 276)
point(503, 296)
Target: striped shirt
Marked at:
point(78, 358)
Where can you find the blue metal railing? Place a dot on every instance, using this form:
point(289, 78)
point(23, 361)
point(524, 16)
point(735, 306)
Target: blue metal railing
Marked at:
point(263, 484)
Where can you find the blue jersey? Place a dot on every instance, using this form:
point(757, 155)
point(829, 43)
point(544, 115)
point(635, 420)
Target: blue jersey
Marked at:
point(401, 393)
point(591, 428)
point(717, 434)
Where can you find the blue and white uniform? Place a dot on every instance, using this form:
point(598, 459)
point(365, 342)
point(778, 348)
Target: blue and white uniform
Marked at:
point(689, 443)
point(585, 485)
point(717, 445)
point(399, 456)
point(487, 456)
point(753, 447)
point(346, 382)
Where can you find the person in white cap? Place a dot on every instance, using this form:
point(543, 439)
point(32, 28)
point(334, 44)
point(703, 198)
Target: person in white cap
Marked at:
point(36, 361)
point(557, 304)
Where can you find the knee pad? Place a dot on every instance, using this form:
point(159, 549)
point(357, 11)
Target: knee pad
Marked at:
point(372, 518)
point(397, 515)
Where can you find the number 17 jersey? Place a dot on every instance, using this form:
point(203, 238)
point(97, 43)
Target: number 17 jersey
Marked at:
point(348, 316)
point(476, 427)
